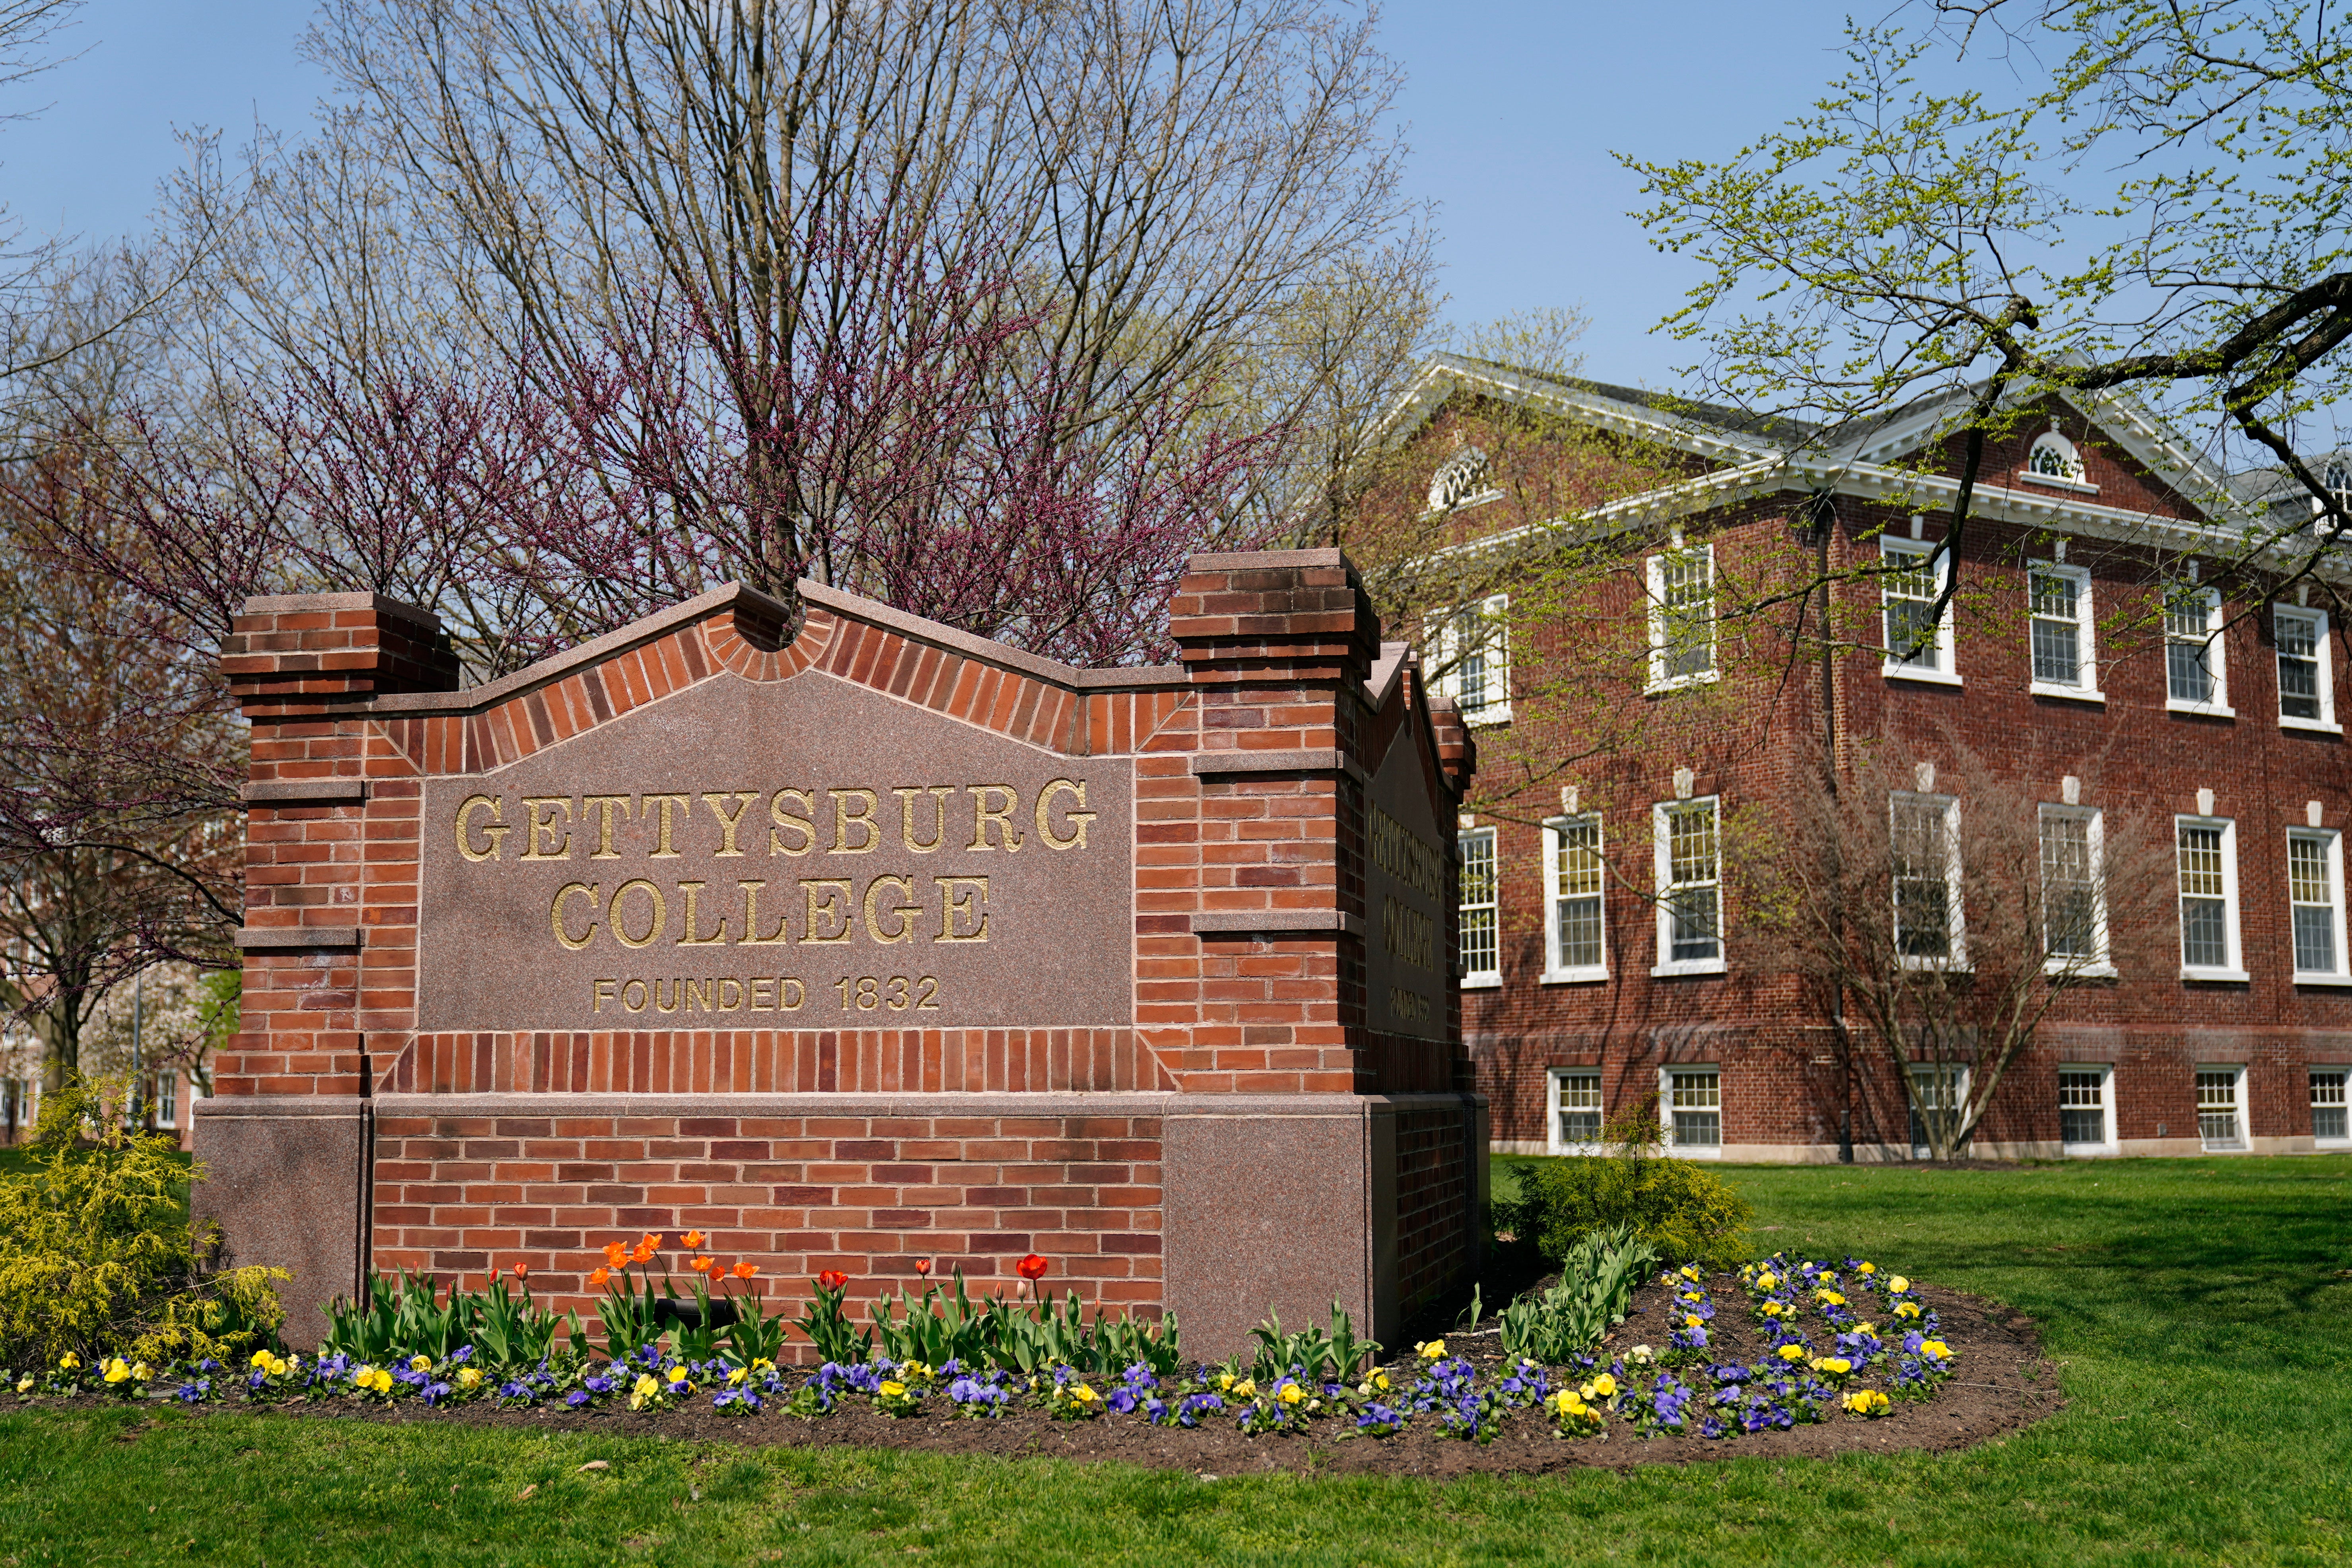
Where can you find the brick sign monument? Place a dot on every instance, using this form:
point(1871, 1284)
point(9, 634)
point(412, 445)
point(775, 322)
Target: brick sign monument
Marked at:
point(882, 942)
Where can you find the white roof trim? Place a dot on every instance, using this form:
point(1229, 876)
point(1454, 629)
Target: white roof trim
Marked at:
point(1446, 374)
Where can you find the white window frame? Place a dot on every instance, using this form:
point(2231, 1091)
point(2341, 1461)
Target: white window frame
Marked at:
point(1557, 972)
point(2086, 642)
point(1683, 1151)
point(2070, 459)
point(1946, 672)
point(1555, 1115)
point(1660, 639)
point(2343, 1101)
point(2099, 965)
point(1957, 1074)
point(167, 1098)
point(2216, 659)
point(2244, 1140)
point(1947, 807)
point(1480, 978)
point(2333, 843)
point(2326, 723)
point(1453, 647)
point(2107, 1092)
point(1661, 838)
point(2234, 970)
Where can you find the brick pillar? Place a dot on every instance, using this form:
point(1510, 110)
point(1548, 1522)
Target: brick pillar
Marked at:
point(284, 1143)
point(1282, 1158)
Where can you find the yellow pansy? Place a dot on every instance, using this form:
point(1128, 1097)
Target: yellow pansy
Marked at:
point(261, 1359)
point(1793, 1353)
point(1376, 1384)
point(1766, 1281)
point(892, 1390)
point(1830, 1298)
point(420, 1363)
point(116, 1372)
point(735, 1375)
point(1084, 1393)
point(1898, 1284)
point(1291, 1394)
point(1693, 1320)
point(677, 1375)
point(1907, 1309)
point(1865, 1402)
point(1866, 1268)
point(1430, 1350)
point(25, 1383)
point(469, 1377)
point(1605, 1386)
point(1224, 1383)
point(1773, 1309)
point(1935, 1350)
point(1833, 1365)
point(142, 1372)
point(68, 1362)
point(1246, 1389)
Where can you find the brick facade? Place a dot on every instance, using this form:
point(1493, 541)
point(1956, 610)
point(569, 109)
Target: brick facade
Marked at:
point(346, 1136)
point(1788, 1091)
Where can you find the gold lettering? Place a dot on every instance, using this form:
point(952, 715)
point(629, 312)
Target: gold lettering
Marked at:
point(862, 819)
point(659, 924)
point(676, 994)
point(728, 824)
point(939, 794)
point(555, 915)
point(1077, 840)
point(541, 824)
point(751, 937)
point(669, 804)
point(834, 900)
point(602, 804)
point(496, 835)
point(790, 994)
point(906, 889)
point(695, 994)
point(639, 1004)
point(764, 1001)
point(724, 1004)
point(687, 937)
point(803, 825)
point(953, 909)
point(602, 990)
point(983, 814)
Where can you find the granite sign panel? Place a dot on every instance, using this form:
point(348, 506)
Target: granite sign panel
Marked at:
point(1407, 875)
point(806, 855)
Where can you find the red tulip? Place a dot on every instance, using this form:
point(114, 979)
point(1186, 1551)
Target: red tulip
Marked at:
point(832, 1279)
point(522, 1269)
point(1032, 1269)
point(923, 1266)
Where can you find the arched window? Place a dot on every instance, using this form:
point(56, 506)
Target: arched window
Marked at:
point(2338, 480)
point(1458, 479)
point(2053, 457)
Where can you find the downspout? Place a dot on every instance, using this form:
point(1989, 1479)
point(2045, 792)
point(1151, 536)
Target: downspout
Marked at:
point(1824, 509)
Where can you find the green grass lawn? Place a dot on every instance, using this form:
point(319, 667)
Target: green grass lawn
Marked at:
point(2200, 1311)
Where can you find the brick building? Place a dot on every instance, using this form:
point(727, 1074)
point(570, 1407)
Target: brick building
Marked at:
point(2098, 633)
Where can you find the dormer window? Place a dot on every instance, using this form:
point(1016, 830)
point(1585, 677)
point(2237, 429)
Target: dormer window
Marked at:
point(1460, 478)
point(2054, 460)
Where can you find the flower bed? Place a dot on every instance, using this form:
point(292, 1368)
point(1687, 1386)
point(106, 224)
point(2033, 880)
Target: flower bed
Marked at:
point(1785, 1354)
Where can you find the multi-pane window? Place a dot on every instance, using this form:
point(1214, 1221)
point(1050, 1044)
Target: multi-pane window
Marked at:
point(1474, 655)
point(1917, 640)
point(1682, 616)
point(1938, 1092)
point(2328, 1125)
point(2193, 670)
point(2306, 697)
point(2060, 628)
point(1576, 1108)
point(1481, 950)
point(1690, 885)
point(2073, 923)
point(2206, 852)
point(2314, 883)
point(1925, 858)
point(1577, 876)
point(167, 1099)
point(2220, 1115)
point(2084, 1111)
point(1695, 1107)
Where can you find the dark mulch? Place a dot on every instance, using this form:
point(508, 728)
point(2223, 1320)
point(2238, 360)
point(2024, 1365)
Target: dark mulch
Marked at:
point(2002, 1383)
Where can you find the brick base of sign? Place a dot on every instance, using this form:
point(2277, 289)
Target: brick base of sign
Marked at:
point(1143, 1203)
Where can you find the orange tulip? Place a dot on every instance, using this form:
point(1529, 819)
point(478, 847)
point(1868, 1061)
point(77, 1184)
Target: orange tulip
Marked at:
point(643, 1253)
point(832, 1279)
point(702, 1265)
point(692, 1238)
point(743, 1268)
point(616, 1253)
point(521, 1270)
point(598, 1277)
point(923, 1266)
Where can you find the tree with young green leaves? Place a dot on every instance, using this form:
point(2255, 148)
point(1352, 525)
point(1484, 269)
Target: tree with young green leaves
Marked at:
point(2010, 199)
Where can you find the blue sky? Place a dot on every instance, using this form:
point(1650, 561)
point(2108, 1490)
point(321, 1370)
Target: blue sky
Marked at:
point(1514, 110)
